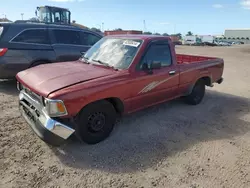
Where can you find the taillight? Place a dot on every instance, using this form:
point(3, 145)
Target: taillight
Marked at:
point(3, 51)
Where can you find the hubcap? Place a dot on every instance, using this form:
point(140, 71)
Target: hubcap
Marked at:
point(96, 122)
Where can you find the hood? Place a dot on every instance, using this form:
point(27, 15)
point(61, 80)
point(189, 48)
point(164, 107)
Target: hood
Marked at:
point(45, 79)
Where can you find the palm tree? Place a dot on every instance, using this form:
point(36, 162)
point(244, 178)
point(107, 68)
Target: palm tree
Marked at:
point(229, 38)
point(233, 38)
point(189, 33)
point(238, 38)
point(247, 38)
point(242, 38)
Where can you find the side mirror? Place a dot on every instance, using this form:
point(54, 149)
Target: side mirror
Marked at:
point(155, 65)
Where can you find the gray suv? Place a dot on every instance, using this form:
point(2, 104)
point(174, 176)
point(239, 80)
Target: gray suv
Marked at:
point(24, 45)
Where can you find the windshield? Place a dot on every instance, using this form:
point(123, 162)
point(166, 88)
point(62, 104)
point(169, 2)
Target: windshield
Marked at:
point(44, 15)
point(113, 52)
point(1, 30)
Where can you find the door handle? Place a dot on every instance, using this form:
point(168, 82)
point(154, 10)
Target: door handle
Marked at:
point(171, 72)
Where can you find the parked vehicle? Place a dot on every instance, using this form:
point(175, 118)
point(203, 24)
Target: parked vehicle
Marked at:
point(50, 14)
point(207, 39)
point(189, 40)
point(24, 45)
point(210, 44)
point(118, 75)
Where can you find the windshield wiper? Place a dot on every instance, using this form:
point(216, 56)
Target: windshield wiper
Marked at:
point(105, 64)
point(101, 62)
point(85, 59)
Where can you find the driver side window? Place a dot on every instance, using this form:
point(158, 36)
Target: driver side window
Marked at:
point(159, 53)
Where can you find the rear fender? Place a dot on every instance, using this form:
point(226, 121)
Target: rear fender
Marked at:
point(208, 82)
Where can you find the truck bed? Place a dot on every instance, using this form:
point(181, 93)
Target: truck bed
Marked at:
point(187, 59)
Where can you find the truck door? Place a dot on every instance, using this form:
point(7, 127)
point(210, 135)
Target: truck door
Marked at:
point(67, 44)
point(159, 85)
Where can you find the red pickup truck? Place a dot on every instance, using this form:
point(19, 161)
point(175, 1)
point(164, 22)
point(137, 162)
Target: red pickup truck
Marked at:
point(119, 75)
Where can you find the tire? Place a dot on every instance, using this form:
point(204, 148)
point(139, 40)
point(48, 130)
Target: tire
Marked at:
point(197, 93)
point(95, 122)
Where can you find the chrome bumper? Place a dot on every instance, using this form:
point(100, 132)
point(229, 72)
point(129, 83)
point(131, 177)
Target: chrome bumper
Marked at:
point(48, 129)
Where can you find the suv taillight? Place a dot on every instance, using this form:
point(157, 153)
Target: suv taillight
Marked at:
point(3, 51)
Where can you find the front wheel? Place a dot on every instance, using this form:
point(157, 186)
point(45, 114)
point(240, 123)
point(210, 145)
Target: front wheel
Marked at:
point(95, 122)
point(197, 94)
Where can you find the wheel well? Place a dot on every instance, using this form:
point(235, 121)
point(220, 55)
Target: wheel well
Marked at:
point(42, 61)
point(207, 80)
point(117, 103)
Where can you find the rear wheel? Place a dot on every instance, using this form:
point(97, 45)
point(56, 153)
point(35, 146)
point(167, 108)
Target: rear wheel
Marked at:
point(96, 122)
point(197, 93)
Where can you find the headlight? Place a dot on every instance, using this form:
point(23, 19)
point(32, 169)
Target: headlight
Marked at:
point(55, 108)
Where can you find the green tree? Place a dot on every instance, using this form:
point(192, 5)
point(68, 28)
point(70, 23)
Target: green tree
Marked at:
point(165, 34)
point(157, 34)
point(189, 33)
point(242, 38)
point(147, 33)
point(118, 29)
point(95, 29)
point(247, 38)
point(179, 35)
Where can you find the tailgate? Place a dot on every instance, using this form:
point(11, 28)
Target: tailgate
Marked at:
point(212, 68)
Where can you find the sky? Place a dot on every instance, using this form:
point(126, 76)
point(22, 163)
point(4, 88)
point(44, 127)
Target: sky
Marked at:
point(203, 17)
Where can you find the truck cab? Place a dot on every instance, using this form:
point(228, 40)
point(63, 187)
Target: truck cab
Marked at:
point(56, 15)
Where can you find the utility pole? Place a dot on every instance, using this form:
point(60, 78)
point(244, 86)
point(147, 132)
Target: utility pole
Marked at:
point(4, 16)
point(22, 15)
point(144, 26)
point(102, 27)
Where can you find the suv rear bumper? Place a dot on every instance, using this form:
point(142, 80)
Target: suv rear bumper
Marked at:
point(49, 130)
point(10, 66)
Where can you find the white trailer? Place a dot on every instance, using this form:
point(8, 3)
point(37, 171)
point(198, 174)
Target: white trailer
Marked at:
point(189, 40)
point(207, 38)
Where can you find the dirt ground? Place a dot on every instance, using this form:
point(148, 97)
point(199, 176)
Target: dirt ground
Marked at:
point(169, 145)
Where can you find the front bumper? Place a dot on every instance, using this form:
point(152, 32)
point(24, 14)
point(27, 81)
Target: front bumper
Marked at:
point(49, 130)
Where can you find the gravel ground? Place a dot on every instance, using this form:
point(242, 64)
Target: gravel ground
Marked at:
point(169, 145)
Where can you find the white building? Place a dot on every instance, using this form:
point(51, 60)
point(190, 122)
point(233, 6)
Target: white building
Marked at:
point(237, 33)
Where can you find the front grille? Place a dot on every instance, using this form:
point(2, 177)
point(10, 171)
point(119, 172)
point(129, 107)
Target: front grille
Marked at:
point(29, 104)
point(33, 95)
